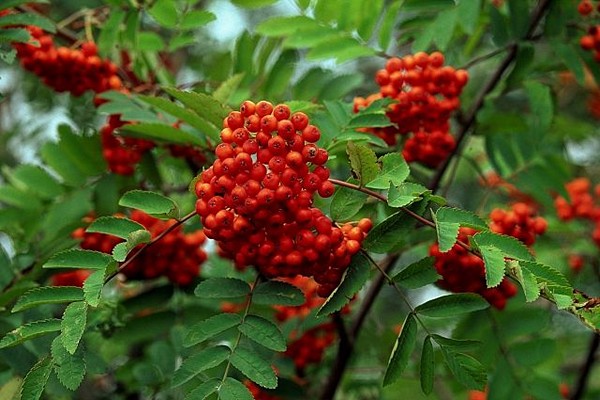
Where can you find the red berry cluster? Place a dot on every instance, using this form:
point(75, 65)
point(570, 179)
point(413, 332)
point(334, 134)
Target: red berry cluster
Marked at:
point(591, 41)
point(67, 70)
point(426, 93)
point(256, 199)
point(121, 153)
point(463, 271)
point(310, 347)
point(177, 255)
point(520, 222)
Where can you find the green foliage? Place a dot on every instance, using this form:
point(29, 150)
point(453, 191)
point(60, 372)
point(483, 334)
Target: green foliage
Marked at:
point(401, 351)
point(152, 203)
point(346, 203)
point(47, 295)
point(451, 305)
point(417, 274)
point(263, 332)
point(210, 327)
point(30, 331)
point(277, 293)
point(201, 361)
point(363, 162)
point(219, 288)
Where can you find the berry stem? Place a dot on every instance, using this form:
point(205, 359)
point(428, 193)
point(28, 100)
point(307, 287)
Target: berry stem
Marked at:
point(145, 246)
point(469, 119)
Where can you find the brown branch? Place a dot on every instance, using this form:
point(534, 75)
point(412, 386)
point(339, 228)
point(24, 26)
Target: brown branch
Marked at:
point(468, 120)
point(145, 246)
point(586, 368)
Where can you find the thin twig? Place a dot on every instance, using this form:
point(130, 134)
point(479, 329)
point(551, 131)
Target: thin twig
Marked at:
point(145, 246)
point(586, 368)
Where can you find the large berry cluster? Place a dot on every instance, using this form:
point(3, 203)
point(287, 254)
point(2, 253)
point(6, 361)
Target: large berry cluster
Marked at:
point(425, 93)
point(65, 69)
point(256, 199)
point(177, 255)
point(463, 271)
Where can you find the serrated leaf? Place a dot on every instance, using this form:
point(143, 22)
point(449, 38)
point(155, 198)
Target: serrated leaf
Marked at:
point(278, 293)
point(355, 276)
point(222, 288)
point(493, 260)
point(427, 369)
point(196, 18)
point(204, 390)
point(447, 234)
point(226, 89)
point(29, 331)
point(510, 246)
point(372, 120)
point(417, 274)
point(11, 35)
point(346, 202)
point(28, 19)
point(202, 104)
point(263, 332)
point(467, 370)
point(528, 282)
point(388, 233)
point(462, 217)
point(211, 327)
point(341, 48)
point(542, 108)
point(456, 344)
point(36, 379)
point(160, 132)
point(363, 162)
point(78, 258)
point(201, 361)
point(452, 305)
point(254, 368)
point(152, 203)
point(180, 113)
point(404, 194)
point(135, 238)
point(232, 389)
point(545, 273)
point(394, 169)
point(73, 325)
point(92, 287)
point(69, 368)
point(401, 352)
point(164, 12)
point(115, 226)
point(35, 179)
point(48, 295)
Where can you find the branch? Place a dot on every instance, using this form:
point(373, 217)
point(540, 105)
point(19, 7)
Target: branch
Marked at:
point(586, 368)
point(145, 246)
point(469, 119)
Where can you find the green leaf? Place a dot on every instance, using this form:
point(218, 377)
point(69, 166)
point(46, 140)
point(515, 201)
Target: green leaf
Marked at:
point(115, 226)
point(164, 12)
point(78, 258)
point(373, 120)
point(340, 48)
point(394, 169)
point(346, 202)
point(528, 282)
point(211, 327)
point(281, 74)
point(468, 11)
point(263, 332)
point(69, 368)
point(185, 115)
point(518, 17)
point(253, 3)
point(456, 344)
point(92, 287)
point(533, 352)
point(510, 246)
point(278, 293)
point(204, 105)
point(254, 367)
point(467, 370)
point(29, 331)
point(10, 35)
point(161, 132)
point(152, 203)
point(196, 18)
point(545, 273)
point(226, 89)
point(232, 389)
point(447, 234)
point(570, 57)
point(201, 361)
point(48, 295)
point(135, 238)
point(452, 304)
point(36, 379)
point(110, 31)
point(463, 217)
point(404, 194)
point(443, 27)
point(417, 274)
point(222, 288)
point(388, 233)
point(363, 161)
point(494, 265)
point(150, 41)
point(286, 26)
point(73, 325)
point(204, 390)
point(427, 369)
point(401, 351)
point(388, 24)
point(542, 108)
point(35, 179)
point(355, 276)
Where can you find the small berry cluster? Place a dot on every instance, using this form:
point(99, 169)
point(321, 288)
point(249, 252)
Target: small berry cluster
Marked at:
point(591, 41)
point(463, 271)
point(256, 199)
point(67, 70)
point(310, 347)
point(426, 93)
point(259, 393)
point(177, 255)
